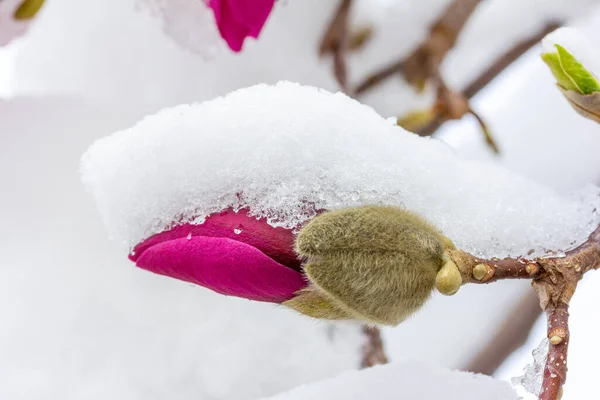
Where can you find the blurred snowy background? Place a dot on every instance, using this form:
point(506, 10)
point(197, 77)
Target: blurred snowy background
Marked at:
point(80, 322)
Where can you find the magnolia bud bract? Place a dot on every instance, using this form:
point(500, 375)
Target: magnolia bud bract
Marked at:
point(374, 263)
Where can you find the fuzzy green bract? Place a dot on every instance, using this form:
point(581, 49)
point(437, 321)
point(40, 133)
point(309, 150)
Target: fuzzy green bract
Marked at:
point(570, 74)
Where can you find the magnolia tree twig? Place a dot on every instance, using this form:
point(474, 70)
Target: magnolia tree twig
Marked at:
point(489, 74)
point(511, 335)
point(373, 351)
point(336, 42)
point(479, 270)
point(555, 370)
point(423, 65)
point(555, 281)
point(424, 62)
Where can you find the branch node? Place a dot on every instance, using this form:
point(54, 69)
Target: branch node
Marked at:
point(555, 340)
point(532, 269)
point(557, 335)
point(483, 272)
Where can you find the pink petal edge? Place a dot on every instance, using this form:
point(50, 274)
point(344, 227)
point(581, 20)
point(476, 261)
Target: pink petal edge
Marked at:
point(276, 243)
point(239, 19)
point(225, 266)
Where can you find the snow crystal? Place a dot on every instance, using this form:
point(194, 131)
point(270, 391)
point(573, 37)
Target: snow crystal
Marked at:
point(408, 380)
point(533, 375)
point(576, 43)
point(286, 151)
point(189, 22)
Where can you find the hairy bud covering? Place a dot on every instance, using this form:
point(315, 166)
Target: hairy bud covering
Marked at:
point(376, 264)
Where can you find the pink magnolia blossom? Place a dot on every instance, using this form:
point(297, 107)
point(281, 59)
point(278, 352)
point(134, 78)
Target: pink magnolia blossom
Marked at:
point(230, 253)
point(238, 19)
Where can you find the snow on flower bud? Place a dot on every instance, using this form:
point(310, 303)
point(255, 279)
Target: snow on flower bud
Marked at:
point(216, 201)
point(377, 264)
point(239, 19)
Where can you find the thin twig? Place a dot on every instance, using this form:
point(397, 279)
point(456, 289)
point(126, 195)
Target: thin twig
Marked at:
point(373, 351)
point(511, 335)
point(336, 41)
point(371, 81)
point(489, 139)
point(507, 59)
point(489, 74)
point(480, 270)
point(423, 63)
point(555, 370)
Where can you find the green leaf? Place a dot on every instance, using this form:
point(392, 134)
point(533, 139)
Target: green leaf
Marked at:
point(552, 60)
point(570, 73)
point(581, 77)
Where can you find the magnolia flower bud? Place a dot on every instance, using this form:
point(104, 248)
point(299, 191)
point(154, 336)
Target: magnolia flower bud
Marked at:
point(376, 264)
point(315, 303)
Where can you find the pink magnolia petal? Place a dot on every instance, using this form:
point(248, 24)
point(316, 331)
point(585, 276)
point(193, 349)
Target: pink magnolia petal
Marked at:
point(276, 243)
point(252, 14)
point(224, 265)
point(238, 19)
point(233, 33)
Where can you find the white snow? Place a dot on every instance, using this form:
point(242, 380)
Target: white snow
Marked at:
point(285, 151)
point(79, 321)
point(539, 133)
point(61, 277)
point(533, 374)
point(406, 380)
point(136, 63)
point(576, 43)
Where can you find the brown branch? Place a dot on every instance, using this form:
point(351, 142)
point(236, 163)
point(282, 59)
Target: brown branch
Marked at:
point(479, 270)
point(489, 74)
point(336, 41)
point(507, 59)
point(373, 351)
point(379, 77)
point(512, 335)
point(555, 370)
point(555, 281)
point(553, 276)
point(424, 62)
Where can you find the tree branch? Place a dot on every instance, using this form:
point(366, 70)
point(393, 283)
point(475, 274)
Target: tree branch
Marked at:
point(479, 270)
point(555, 281)
point(373, 351)
point(512, 334)
point(555, 370)
point(424, 62)
point(489, 74)
point(335, 41)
